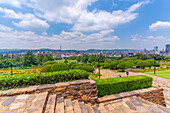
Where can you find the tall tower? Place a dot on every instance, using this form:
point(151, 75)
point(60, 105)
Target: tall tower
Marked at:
point(60, 47)
point(167, 48)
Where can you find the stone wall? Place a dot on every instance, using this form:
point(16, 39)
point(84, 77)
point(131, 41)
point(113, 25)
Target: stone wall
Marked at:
point(83, 90)
point(155, 96)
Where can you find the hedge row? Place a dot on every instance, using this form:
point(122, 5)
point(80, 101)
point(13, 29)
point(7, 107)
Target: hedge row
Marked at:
point(8, 82)
point(86, 68)
point(121, 84)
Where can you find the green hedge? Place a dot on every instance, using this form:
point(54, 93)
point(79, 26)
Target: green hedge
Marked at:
point(86, 68)
point(121, 84)
point(59, 67)
point(46, 68)
point(49, 62)
point(8, 82)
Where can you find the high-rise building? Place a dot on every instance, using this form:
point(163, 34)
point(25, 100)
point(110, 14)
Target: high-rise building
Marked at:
point(167, 48)
point(156, 48)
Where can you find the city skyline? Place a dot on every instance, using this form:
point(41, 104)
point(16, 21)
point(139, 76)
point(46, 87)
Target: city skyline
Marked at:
point(82, 25)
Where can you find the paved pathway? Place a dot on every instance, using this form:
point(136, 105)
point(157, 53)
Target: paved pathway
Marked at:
point(157, 81)
point(46, 103)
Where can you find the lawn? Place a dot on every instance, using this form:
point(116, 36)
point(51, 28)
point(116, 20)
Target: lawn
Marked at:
point(163, 74)
point(62, 61)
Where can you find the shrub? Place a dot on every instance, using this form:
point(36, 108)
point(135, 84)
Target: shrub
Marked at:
point(74, 65)
point(143, 64)
point(59, 67)
point(49, 62)
point(70, 64)
point(86, 68)
point(106, 65)
point(46, 68)
point(113, 65)
point(121, 84)
point(8, 82)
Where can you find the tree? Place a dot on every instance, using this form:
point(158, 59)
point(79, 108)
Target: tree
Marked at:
point(85, 58)
point(113, 65)
point(124, 65)
point(92, 58)
point(78, 58)
point(65, 61)
point(40, 59)
point(29, 59)
point(142, 64)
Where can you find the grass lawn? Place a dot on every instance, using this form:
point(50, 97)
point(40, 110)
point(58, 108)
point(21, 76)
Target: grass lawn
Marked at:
point(163, 74)
point(118, 71)
point(62, 61)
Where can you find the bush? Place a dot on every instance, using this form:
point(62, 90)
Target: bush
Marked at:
point(106, 65)
point(143, 64)
point(8, 82)
point(59, 67)
point(121, 84)
point(86, 68)
point(113, 65)
point(49, 62)
point(71, 63)
point(74, 65)
point(46, 68)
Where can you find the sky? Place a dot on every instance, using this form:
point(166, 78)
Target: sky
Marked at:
point(84, 24)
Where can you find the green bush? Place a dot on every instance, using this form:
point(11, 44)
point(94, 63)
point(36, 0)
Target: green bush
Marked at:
point(121, 84)
point(71, 63)
point(49, 62)
point(8, 82)
point(59, 67)
point(74, 65)
point(46, 68)
point(86, 68)
point(106, 65)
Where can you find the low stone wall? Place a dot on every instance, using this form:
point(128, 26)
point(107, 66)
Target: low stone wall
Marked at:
point(155, 96)
point(83, 90)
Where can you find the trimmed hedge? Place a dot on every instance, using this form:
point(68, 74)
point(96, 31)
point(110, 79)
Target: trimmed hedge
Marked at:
point(46, 68)
point(86, 68)
point(59, 67)
point(8, 82)
point(121, 84)
point(49, 62)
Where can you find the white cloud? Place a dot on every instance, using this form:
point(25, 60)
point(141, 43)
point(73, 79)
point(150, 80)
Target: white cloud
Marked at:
point(76, 12)
point(69, 40)
point(14, 3)
point(5, 28)
point(159, 25)
point(136, 37)
point(28, 21)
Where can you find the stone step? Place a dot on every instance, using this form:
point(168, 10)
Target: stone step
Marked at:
point(51, 103)
point(68, 106)
point(37, 104)
point(89, 108)
point(76, 107)
point(83, 107)
point(59, 105)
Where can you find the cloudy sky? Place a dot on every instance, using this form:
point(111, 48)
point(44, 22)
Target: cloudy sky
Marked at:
point(84, 24)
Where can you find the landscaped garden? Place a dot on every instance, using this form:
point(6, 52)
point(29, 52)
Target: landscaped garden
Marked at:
point(121, 84)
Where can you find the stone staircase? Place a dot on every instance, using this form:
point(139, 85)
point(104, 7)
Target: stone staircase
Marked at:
point(49, 103)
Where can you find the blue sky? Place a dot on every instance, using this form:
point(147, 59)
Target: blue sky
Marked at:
point(84, 24)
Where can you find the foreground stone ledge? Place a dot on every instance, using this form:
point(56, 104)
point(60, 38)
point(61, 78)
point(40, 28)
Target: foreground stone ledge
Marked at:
point(83, 90)
point(153, 94)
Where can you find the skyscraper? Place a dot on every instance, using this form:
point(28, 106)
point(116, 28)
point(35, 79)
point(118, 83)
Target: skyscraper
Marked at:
point(167, 48)
point(156, 48)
